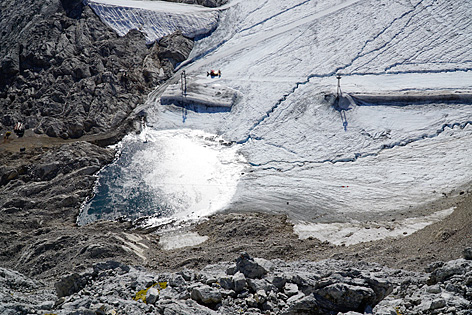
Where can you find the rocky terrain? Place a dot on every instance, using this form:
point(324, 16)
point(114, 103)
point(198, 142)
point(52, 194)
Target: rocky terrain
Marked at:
point(75, 84)
point(65, 74)
point(248, 286)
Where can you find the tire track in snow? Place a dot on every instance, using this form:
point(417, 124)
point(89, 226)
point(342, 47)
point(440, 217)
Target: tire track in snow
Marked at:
point(361, 155)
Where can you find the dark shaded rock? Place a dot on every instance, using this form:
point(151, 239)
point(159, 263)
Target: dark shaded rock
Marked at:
point(467, 253)
point(346, 297)
point(301, 304)
point(69, 285)
point(73, 8)
point(175, 48)
point(250, 268)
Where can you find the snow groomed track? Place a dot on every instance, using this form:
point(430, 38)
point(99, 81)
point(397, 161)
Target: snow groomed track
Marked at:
point(386, 161)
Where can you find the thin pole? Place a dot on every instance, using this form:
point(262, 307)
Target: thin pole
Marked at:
point(339, 85)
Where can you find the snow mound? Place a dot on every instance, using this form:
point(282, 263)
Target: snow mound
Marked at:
point(155, 19)
point(200, 93)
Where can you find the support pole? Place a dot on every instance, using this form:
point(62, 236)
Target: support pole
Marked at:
point(338, 93)
point(183, 83)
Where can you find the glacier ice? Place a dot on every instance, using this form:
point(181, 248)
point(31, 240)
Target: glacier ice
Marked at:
point(283, 57)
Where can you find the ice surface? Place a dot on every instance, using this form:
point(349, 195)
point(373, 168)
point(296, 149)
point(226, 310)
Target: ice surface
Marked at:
point(308, 159)
point(155, 19)
point(283, 58)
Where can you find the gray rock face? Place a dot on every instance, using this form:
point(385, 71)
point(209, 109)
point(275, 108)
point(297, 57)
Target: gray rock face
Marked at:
point(65, 74)
point(22, 295)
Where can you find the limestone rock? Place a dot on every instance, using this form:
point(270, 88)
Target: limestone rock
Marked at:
point(239, 282)
point(250, 268)
point(206, 295)
point(152, 295)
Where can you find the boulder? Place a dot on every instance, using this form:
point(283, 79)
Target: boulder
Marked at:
point(346, 297)
point(239, 281)
point(69, 285)
point(152, 295)
point(249, 267)
point(206, 295)
point(226, 283)
point(301, 304)
point(279, 281)
point(467, 253)
point(290, 289)
point(175, 48)
point(449, 269)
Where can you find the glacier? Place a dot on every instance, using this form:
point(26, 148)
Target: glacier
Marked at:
point(303, 156)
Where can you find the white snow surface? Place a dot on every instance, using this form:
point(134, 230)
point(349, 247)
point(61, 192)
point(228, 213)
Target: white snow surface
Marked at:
point(306, 158)
point(155, 19)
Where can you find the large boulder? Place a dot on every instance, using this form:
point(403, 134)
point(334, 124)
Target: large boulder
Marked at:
point(249, 267)
point(206, 295)
point(69, 285)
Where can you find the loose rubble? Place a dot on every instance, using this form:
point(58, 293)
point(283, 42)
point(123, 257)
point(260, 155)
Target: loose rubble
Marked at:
point(248, 286)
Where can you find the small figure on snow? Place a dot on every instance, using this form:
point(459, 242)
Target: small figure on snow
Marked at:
point(214, 73)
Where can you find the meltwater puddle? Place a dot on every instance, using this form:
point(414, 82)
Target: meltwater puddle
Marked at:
point(170, 175)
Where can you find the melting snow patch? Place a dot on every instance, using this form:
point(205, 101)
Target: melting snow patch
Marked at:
point(354, 233)
point(179, 240)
